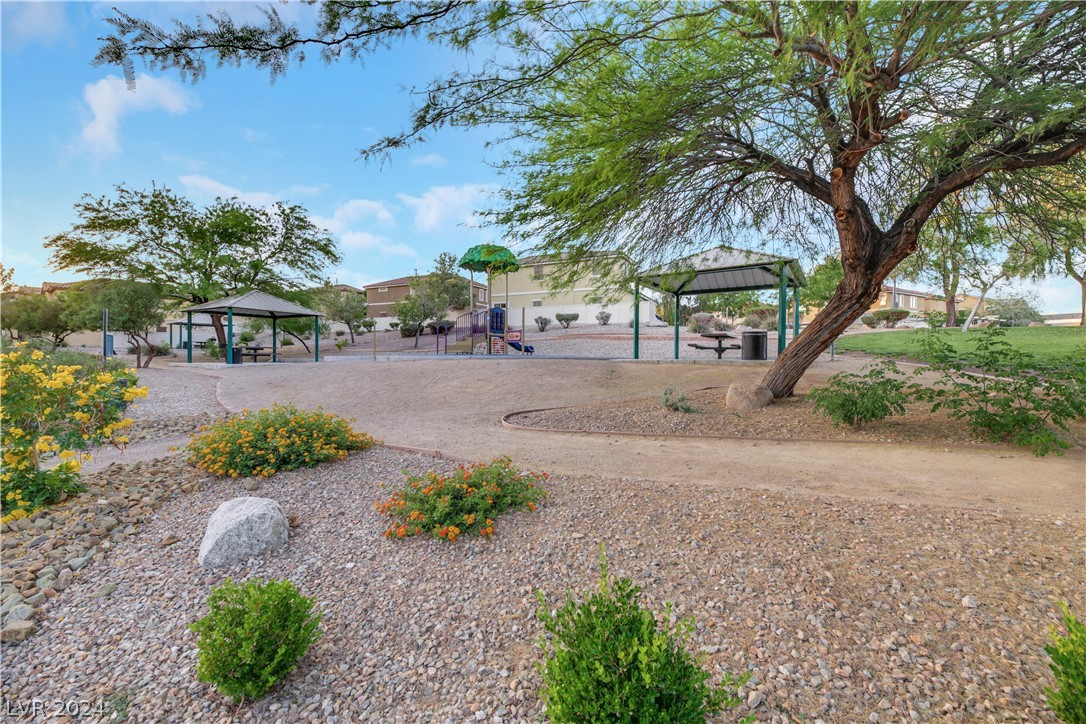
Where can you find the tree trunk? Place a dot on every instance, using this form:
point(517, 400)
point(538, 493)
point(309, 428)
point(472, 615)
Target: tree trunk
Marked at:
point(1082, 311)
point(983, 293)
point(139, 350)
point(350, 331)
point(297, 337)
point(220, 331)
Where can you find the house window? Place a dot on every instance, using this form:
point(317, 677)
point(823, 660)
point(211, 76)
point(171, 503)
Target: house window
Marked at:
point(384, 314)
point(482, 295)
point(912, 302)
point(382, 289)
point(537, 302)
point(539, 272)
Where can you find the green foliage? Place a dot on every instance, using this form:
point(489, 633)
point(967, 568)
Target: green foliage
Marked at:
point(938, 319)
point(368, 324)
point(853, 399)
point(604, 318)
point(246, 337)
point(52, 408)
point(1007, 398)
point(889, 318)
point(822, 283)
point(212, 351)
point(393, 325)
point(608, 660)
point(700, 322)
point(411, 330)
point(279, 438)
point(254, 635)
point(465, 502)
point(134, 308)
point(44, 317)
point(1068, 653)
point(730, 304)
point(1014, 311)
point(566, 319)
point(1047, 345)
point(346, 306)
point(341, 344)
point(763, 317)
point(544, 322)
point(677, 403)
point(869, 320)
point(440, 326)
point(287, 342)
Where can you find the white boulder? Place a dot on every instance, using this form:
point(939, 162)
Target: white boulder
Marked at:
point(242, 528)
point(747, 397)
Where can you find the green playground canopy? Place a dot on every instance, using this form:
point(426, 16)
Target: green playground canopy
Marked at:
point(489, 258)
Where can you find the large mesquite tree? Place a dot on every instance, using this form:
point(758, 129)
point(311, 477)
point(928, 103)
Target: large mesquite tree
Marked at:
point(657, 127)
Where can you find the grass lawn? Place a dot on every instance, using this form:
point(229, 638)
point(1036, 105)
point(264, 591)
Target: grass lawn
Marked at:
point(1046, 344)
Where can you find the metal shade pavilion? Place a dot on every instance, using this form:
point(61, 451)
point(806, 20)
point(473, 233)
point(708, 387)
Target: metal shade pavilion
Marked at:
point(723, 269)
point(255, 304)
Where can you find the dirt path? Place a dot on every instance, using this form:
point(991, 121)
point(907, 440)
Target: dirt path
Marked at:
point(456, 406)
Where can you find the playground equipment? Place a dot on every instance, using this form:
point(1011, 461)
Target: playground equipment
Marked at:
point(483, 327)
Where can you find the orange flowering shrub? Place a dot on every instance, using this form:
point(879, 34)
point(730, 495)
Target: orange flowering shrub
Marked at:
point(467, 501)
point(280, 438)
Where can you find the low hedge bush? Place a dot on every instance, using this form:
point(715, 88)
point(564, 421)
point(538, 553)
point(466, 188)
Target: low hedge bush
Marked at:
point(254, 636)
point(542, 323)
point(567, 319)
point(279, 438)
point(465, 502)
point(604, 318)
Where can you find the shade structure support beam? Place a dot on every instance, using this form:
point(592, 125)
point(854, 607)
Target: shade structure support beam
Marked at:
point(795, 312)
point(188, 335)
point(677, 300)
point(316, 339)
point(275, 339)
point(782, 316)
point(230, 335)
point(637, 321)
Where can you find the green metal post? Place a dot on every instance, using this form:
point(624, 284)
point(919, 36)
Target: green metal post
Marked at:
point(316, 339)
point(676, 326)
point(782, 317)
point(795, 313)
point(188, 334)
point(637, 320)
point(171, 336)
point(274, 339)
point(229, 335)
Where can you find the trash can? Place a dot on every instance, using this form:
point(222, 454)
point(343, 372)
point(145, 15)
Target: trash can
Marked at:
point(107, 351)
point(754, 344)
point(236, 356)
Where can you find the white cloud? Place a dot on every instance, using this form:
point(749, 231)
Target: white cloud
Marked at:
point(254, 136)
point(210, 188)
point(364, 240)
point(303, 190)
point(441, 205)
point(348, 214)
point(109, 100)
point(34, 22)
point(431, 159)
point(343, 275)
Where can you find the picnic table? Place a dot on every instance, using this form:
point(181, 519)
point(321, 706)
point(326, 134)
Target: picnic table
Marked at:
point(720, 347)
point(254, 352)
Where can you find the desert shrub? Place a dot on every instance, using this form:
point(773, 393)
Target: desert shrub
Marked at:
point(55, 409)
point(699, 322)
point(770, 324)
point(253, 636)
point(889, 318)
point(341, 344)
point(854, 399)
point(410, 330)
point(246, 337)
point(367, 324)
point(465, 502)
point(606, 659)
point(1010, 400)
point(678, 402)
point(279, 438)
point(720, 325)
point(542, 323)
point(870, 321)
point(1068, 699)
point(440, 326)
point(287, 342)
point(567, 319)
point(604, 318)
point(212, 350)
point(393, 325)
point(340, 332)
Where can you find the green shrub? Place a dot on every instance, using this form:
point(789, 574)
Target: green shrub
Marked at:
point(677, 403)
point(440, 326)
point(542, 323)
point(699, 322)
point(246, 337)
point(1010, 400)
point(393, 325)
point(567, 319)
point(870, 321)
point(604, 318)
point(163, 349)
point(467, 501)
point(606, 659)
point(410, 330)
point(287, 342)
point(340, 332)
point(341, 344)
point(854, 399)
point(367, 324)
point(889, 318)
point(280, 438)
point(212, 350)
point(254, 636)
point(1068, 653)
point(720, 325)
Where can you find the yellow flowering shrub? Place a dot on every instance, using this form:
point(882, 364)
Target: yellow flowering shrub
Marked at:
point(55, 409)
point(280, 438)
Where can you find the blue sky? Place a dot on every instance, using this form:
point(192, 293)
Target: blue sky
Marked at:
point(69, 129)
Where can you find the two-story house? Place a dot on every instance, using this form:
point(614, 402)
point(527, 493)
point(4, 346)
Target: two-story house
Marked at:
point(380, 297)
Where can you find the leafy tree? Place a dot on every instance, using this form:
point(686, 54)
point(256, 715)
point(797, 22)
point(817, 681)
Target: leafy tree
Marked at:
point(51, 318)
point(1016, 311)
point(657, 126)
point(135, 308)
point(732, 304)
point(445, 283)
point(416, 308)
point(194, 255)
point(343, 305)
point(6, 284)
point(822, 282)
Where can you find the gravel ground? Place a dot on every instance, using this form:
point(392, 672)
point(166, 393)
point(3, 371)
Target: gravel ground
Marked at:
point(176, 393)
point(791, 419)
point(842, 610)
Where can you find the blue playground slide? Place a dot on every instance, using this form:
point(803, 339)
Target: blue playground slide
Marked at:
point(528, 348)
